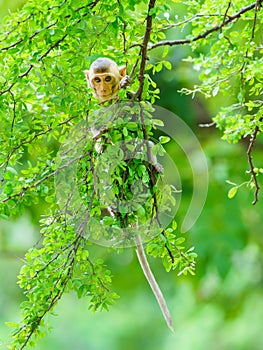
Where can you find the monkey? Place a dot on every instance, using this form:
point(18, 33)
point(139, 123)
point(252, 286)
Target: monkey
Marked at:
point(106, 79)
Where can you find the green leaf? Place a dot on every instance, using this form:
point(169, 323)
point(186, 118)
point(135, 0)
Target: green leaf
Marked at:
point(12, 170)
point(125, 131)
point(232, 192)
point(152, 12)
point(12, 324)
point(132, 126)
point(174, 225)
point(158, 122)
point(4, 216)
point(165, 51)
point(141, 212)
point(215, 91)
point(108, 220)
point(159, 67)
point(164, 139)
point(167, 65)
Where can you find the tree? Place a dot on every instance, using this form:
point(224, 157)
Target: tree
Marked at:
point(44, 50)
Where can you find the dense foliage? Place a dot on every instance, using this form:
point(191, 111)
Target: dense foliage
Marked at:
point(44, 50)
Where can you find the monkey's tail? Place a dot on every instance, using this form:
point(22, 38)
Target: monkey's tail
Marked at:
point(152, 282)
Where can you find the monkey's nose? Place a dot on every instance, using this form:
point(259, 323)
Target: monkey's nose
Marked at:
point(103, 89)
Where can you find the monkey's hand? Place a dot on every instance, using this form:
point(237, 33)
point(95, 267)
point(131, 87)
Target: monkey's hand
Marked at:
point(158, 168)
point(125, 82)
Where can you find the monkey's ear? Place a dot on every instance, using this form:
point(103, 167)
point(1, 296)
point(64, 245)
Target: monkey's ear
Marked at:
point(86, 72)
point(122, 71)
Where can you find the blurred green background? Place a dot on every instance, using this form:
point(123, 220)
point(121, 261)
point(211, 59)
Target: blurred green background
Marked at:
point(220, 308)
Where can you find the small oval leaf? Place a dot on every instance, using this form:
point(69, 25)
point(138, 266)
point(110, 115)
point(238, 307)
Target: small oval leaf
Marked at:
point(164, 139)
point(232, 192)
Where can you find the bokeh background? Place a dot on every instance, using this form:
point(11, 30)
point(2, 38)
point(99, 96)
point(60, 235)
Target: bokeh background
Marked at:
point(221, 308)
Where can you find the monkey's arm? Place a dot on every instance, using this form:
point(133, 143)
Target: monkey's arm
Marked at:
point(152, 282)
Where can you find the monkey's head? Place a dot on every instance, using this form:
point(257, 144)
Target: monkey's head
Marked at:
point(104, 78)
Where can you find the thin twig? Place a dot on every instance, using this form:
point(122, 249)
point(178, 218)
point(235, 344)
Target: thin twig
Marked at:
point(257, 8)
point(207, 125)
point(188, 20)
point(14, 113)
point(225, 15)
point(251, 165)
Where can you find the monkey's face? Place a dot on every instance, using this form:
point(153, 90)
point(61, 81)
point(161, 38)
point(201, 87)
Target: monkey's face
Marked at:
point(105, 85)
point(104, 78)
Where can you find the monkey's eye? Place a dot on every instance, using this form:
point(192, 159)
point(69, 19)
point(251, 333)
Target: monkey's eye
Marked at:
point(97, 80)
point(108, 78)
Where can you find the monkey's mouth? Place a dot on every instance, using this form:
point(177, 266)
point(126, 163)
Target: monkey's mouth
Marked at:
point(106, 96)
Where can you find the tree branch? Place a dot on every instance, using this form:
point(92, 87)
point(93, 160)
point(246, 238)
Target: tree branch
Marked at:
point(55, 294)
point(251, 165)
point(228, 19)
point(90, 6)
point(32, 66)
point(143, 52)
point(257, 8)
point(48, 176)
point(30, 38)
point(36, 135)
